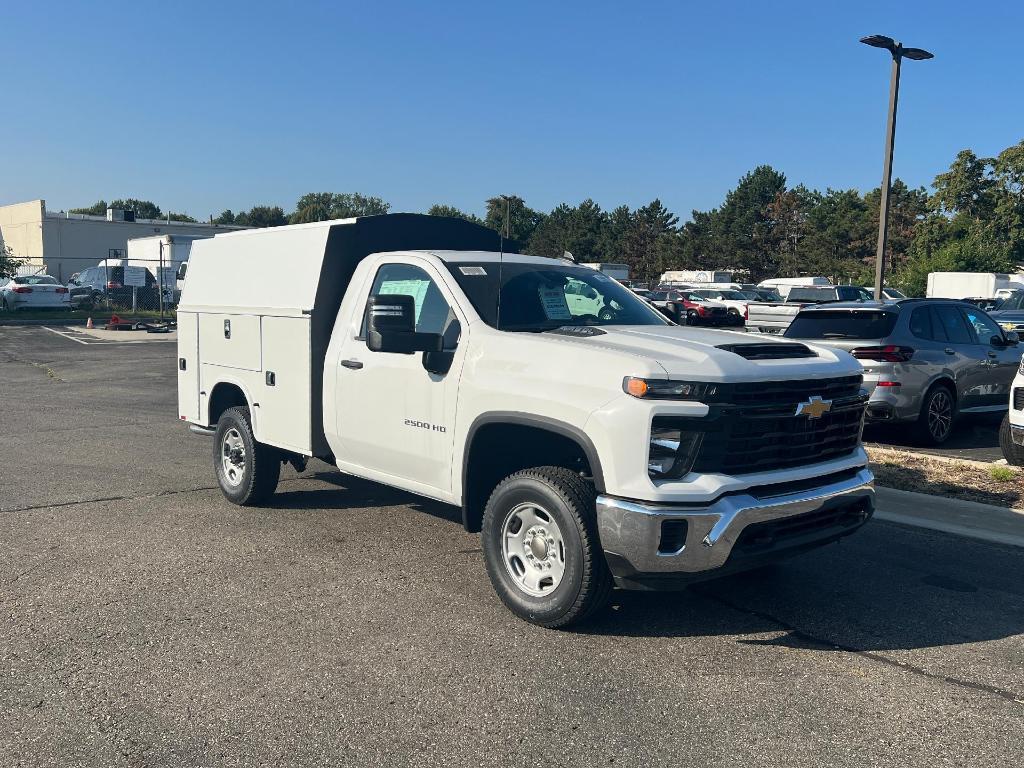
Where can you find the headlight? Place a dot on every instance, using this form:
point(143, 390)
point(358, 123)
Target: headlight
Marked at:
point(662, 389)
point(672, 451)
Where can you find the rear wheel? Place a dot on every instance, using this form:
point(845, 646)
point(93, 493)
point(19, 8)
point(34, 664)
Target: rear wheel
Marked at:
point(247, 471)
point(691, 317)
point(1013, 453)
point(541, 547)
point(938, 411)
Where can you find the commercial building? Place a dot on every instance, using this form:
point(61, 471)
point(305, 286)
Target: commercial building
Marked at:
point(61, 244)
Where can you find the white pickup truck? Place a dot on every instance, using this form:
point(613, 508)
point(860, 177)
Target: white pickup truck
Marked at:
point(590, 449)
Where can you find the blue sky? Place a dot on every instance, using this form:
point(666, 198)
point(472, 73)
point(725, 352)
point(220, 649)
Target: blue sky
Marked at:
point(206, 106)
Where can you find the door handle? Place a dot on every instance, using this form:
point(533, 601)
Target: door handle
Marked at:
point(354, 365)
point(950, 351)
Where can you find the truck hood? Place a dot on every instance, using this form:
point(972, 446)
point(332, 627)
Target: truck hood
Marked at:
point(711, 355)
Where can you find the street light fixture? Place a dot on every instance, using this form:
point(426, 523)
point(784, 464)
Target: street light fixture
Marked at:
point(898, 54)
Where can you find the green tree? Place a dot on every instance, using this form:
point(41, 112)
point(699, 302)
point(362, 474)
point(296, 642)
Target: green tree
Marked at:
point(324, 206)
point(578, 230)
point(8, 264)
point(523, 219)
point(644, 242)
point(737, 235)
point(98, 208)
point(966, 188)
point(263, 216)
point(452, 212)
point(144, 209)
point(226, 217)
point(182, 217)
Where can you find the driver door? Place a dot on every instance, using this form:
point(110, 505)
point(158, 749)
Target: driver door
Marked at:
point(394, 417)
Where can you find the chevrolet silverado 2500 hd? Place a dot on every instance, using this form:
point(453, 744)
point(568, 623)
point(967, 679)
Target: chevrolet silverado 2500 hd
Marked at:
point(593, 444)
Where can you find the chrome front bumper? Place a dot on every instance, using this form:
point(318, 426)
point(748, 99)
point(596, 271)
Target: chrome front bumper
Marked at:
point(632, 531)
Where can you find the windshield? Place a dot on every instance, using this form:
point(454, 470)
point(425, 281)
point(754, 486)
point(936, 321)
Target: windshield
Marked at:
point(540, 296)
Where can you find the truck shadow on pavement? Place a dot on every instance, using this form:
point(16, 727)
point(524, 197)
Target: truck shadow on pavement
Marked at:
point(887, 587)
point(354, 493)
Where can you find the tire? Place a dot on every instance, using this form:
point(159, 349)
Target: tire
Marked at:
point(250, 476)
point(1013, 453)
point(559, 505)
point(691, 318)
point(937, 416)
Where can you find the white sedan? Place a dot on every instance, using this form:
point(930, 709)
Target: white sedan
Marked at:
point(33, 292)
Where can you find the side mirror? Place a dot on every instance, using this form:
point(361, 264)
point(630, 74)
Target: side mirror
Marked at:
point(391, 324)
point(1012, 338)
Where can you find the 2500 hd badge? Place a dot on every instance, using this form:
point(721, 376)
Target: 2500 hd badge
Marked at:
point(425, 425)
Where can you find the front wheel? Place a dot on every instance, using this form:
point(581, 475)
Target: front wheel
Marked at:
point(1013, 453)
point(541, 547)
point(247, 471)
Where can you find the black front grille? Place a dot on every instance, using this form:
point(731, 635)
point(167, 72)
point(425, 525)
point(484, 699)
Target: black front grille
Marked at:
point(763, 393)
point(759, 430)
point(1018, 399)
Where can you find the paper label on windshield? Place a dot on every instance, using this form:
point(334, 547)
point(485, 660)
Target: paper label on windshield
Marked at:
point(555, 306)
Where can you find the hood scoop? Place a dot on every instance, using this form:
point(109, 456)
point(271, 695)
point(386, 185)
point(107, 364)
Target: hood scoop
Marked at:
point(579, 331)
point(769, 351)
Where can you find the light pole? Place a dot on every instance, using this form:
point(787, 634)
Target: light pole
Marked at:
point(898, 54)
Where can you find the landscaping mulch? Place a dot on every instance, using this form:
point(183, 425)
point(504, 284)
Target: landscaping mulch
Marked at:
point(994, 484)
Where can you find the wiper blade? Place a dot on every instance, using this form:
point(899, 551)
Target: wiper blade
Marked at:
point(833, 335)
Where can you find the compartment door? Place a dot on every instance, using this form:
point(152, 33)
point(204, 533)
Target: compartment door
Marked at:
point(187, 364)
point(285, 395)
point(232, 341)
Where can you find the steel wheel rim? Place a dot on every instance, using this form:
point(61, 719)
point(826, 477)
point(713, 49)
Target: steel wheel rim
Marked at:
point(940, 414)
point(232, 457)
point(532, 549)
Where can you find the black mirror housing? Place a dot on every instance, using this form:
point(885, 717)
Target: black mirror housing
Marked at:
point(391, 326)
point(1012, 338)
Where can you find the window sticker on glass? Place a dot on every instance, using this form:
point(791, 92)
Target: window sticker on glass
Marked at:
point(473, 271)
point(553, 301)
point(415, 288)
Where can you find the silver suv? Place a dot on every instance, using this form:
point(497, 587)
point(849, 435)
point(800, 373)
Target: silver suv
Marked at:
point(925, 361)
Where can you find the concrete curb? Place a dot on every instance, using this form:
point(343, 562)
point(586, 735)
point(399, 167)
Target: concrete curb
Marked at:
point(962, 518)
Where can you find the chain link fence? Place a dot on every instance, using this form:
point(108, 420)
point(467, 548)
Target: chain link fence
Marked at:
point(115, 284)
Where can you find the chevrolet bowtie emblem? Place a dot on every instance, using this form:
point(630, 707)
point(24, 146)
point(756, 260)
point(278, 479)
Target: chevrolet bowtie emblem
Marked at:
point(814, 408)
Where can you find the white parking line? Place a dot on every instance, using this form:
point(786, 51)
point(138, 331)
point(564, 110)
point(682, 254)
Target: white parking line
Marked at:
point(65, 335)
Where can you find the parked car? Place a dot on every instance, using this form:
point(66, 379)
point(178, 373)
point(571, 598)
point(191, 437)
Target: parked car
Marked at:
point(734, 301)
point(689, 308)
point(1010, 313)
point(926, 361)
point(989, 305)
point(775, 316)
point(892, 294)
point(106, 284)
point(1011, 433)
point(32, 292)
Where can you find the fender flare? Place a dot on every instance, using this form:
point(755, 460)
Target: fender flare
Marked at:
point(516, 418)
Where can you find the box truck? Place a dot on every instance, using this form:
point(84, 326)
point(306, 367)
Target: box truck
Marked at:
point(972, 285)
point(162, 255)
point(588, 449)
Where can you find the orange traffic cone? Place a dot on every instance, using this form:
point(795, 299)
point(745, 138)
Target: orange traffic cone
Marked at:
point(88, 323)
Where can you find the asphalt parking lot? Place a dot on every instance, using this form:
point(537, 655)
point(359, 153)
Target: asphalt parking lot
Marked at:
point(147, 622)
